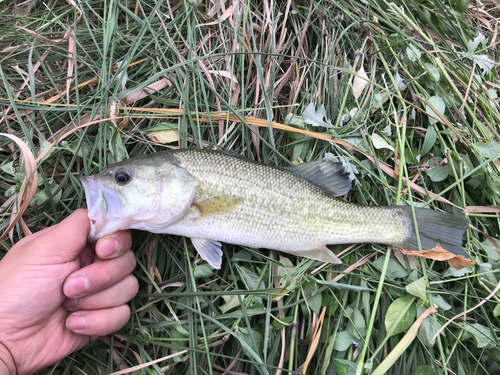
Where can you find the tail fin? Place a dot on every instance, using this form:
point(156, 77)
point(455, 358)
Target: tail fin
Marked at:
point(435, 228)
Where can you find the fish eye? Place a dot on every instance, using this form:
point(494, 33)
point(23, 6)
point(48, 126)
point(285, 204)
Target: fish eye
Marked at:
point(122, 177)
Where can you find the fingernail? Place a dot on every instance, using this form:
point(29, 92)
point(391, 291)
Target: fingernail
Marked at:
point(76, 322)
point(70, 304)
point(76, 286)
point(109, 247)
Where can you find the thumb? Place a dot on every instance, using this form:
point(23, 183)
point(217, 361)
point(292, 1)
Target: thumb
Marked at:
point(63, 242)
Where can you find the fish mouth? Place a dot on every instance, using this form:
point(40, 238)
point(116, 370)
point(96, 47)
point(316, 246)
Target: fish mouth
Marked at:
point(104, 209)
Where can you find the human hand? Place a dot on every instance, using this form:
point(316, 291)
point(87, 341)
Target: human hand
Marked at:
point(57, 294)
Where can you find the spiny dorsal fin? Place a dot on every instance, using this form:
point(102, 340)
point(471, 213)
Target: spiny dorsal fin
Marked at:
point(217, 206)
point(327, 173)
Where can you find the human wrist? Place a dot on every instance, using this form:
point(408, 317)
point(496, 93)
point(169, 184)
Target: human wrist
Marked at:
point(7, 364)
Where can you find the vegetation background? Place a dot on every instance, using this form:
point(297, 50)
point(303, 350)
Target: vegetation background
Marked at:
point(412, 85)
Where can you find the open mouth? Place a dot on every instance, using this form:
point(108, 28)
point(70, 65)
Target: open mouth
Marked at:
point(104, 209)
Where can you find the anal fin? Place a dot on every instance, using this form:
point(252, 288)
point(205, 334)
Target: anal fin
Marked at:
point(323, 254)
point(209, 251)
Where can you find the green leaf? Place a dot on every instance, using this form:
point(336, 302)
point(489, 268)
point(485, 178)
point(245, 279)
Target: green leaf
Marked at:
point(121, 74)
point(496, 310)
point(252, 338)
point(394, 269)
point(399, 82)
point(475, 181)
point(418, 288)
point(437, 103)
point(287, 280)
point(334, 285)
point(42, 195)
point(315, 118)
point(438, 173)
point(484, 62)
point(482, 335)
point(181, 330)
point(300, 149)
point(379, 142)
point(315, 303)
point(458, 273)
point(410, 155)
point(344, 367)
point(400, 315)
point(440, 303)
point(357, 325)
point(231, 302)
point(83, 151)
point(489, 149)
point(433, 71)
point(429, 140)
point(251, 278)
point(325, 298)
point(472, 44)
point(162, 126)
point(243, 255)
point(342, 341)
point(425, 370)
point(203, 270)
point(9, 169)
point(413, 53)
point(493, 254)
point(277, 325)
point(116, 147)
point(426, 331)
point(293, 120)
point(487, 268)
point(44, 145)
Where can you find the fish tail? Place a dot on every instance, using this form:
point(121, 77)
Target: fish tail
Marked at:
point(434, 228)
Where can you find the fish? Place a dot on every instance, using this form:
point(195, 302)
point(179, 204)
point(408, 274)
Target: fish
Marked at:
point(216, 196)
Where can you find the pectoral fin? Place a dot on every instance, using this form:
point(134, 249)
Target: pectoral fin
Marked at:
point(217, 206)
point(209, 251)
point(323, 254)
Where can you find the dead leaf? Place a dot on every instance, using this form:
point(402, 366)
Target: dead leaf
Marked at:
point(360, 82)
point(152, 89)
point(497, 163)
point(482, 209)
point(164, 136)
point(400, 258)
point(147, 364)
point(28, 188)
point(412, 261)
point(438, 253)
point(228, 75)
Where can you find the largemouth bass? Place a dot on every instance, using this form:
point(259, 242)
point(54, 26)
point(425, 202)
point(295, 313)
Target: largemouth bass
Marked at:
point(213, 197)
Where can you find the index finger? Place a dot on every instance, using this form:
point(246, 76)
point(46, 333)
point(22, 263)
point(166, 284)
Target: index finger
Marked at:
point(63, 242)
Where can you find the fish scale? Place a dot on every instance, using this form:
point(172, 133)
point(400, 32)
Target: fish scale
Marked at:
point(298, 215)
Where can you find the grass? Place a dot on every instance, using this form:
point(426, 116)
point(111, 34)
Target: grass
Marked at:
point(220, 75)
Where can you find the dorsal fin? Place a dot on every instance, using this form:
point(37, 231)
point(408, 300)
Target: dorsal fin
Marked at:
point(228, 153)
point(327, 173)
